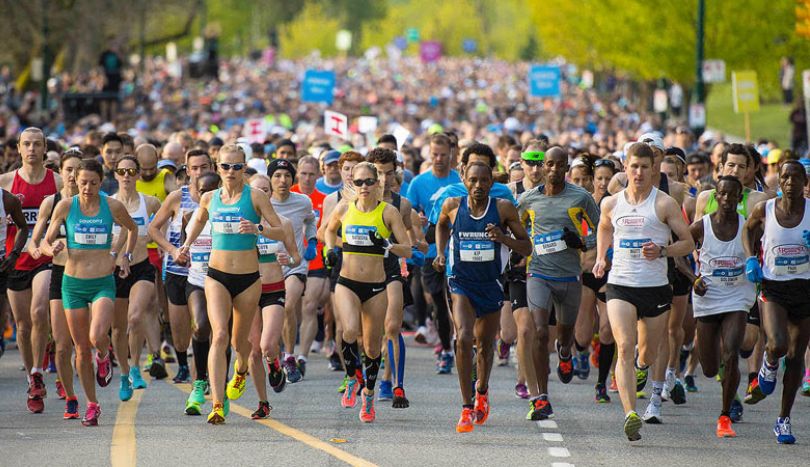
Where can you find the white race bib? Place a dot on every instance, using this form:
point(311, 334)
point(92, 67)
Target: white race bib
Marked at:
point(268, 248)
point(357, 235)
point(631, 248)
point(225, 224)
point(551, 242)
point(476, 251)
point(85, 234)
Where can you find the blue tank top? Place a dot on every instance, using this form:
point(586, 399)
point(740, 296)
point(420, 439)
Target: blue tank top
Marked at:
point(225, 222)
point(472, 256)
point(89, 233)
point(187, 204)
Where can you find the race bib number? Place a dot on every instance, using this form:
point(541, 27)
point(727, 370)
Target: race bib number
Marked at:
point(139, 221)
point(267, 248)
point(728, 277)
point(551, 242)
point(84, 234)
point(631, 248)
point(791, 265)
point(357, 235)
point(476, 251)
point(225, 224)
point(199, 261)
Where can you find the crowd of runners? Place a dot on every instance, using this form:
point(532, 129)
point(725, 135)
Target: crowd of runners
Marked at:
point(644, 255)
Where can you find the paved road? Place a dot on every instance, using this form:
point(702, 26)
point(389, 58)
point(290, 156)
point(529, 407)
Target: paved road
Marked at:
point(307, 417)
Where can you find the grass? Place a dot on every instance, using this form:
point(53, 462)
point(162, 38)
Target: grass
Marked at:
point(770, 122)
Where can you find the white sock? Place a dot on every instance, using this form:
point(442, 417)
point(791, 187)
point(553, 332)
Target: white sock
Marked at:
point(35, 370)
point(301, 357)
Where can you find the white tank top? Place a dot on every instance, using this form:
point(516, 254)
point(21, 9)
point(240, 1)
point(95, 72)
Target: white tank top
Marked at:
point(633, 226)
point(784, 255)
point(140, 216)
point(3, 224)
point(722, 265)
point(200, 253)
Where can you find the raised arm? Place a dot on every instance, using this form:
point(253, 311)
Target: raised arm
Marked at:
point(604, 236)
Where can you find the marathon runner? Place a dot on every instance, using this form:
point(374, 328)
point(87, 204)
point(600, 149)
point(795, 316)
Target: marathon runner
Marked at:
point(28, 283)
point(782, 225)
point(365, 222)
point(478, 254)
point(332, 179)
point(638, 221)
point(88, 285)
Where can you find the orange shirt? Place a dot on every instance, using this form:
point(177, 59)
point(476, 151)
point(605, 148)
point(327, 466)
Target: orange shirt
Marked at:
point(317, 208)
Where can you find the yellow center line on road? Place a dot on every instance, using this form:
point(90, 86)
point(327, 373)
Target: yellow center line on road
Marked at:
point(295, 434)
point(123, 450)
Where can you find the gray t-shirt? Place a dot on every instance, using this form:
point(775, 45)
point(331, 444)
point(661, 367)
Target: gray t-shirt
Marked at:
point(573, 207)
point(298, 209)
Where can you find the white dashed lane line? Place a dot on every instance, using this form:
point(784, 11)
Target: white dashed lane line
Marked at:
point(554, 451)
point(556, 437)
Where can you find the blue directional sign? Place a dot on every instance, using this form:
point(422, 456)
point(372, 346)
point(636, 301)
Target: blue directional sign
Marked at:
point(544, 81)
point(318, 86)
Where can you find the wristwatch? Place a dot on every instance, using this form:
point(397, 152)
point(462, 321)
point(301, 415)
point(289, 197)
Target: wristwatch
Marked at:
point(128, 256)
point(260, 228)
point(663, 253)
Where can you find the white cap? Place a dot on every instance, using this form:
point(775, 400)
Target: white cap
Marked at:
point(653, 139)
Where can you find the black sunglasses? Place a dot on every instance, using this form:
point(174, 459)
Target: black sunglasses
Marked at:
point(225, 166)
point(533, 163)
point(364, 181)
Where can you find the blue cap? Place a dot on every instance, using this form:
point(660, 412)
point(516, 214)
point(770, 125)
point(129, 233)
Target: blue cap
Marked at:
point(163, 163)
point(806, 164)
point(331, 156)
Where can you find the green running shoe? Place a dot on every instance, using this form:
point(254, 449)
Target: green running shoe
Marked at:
point(342, 387)
point(632, 426)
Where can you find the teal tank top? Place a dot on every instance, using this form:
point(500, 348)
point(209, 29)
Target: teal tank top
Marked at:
point(225, 222)
point(89, 233)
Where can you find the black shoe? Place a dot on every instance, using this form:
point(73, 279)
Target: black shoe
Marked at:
point(565, 367)
point(158, 369)
point(678, 394)
point(183, 375)
point(276, 376)
point(334, 362)
point(263, 411)
point(302, 367)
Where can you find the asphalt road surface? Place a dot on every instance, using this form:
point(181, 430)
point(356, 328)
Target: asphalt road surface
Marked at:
point(309, 427)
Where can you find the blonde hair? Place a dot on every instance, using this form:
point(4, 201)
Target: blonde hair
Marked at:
point(231, 147)
point(350, 193)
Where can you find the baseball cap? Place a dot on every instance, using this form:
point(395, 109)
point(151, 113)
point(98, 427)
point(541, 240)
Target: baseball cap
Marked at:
point(774, 155)
point(677, 152)
point(163, 163)
point(331, 156)
point(653, 140)
point(280, 164)
point(533, 156)
point(695, 159)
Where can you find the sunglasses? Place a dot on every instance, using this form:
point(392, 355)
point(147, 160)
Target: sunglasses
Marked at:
point(533, 163)
point(604, 163)
point(225, 166)
point(364, 181)
point(130, 172)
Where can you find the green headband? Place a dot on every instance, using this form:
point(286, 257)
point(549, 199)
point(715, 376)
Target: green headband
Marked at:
point(533, 156)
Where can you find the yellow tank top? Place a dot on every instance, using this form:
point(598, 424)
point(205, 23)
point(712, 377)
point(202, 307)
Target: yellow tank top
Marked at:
point(357, 225)
point(155, 187)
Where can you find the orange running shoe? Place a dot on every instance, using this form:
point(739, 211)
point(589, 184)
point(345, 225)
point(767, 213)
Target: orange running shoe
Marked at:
point(349, 399)
point(481, 408)
point(465, 422)
point(724, 429)
point(367, 412)
point(614, 388)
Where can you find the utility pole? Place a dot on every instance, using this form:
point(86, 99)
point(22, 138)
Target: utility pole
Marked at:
point(46, 59)
point(699, 96)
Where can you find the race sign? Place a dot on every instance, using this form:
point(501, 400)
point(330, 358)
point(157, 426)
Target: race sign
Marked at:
point(336, 124)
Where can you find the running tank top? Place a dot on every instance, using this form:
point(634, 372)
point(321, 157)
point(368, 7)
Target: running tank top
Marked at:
point(89, 232)
point(31, 197)
point(633, 226)
point(784, 256)
point(392, 260)
point(268, 249)
point(155, 187)
point(199, 253)
point(357, 225)
point(187, 204)
point(140, 216)
point(225, 222)
point(473, 257)
point(742, 206)
point(722, 265)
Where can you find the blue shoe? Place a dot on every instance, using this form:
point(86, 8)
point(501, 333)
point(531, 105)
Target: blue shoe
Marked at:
point(386, 392)
point(689, 382)
point(125, 392)
point(445, 364)
point(293, 372)
point(736, 411)
point(784, 434)
point(183, 375)
point(136, 378)
point(582, 365)
point(767, 378)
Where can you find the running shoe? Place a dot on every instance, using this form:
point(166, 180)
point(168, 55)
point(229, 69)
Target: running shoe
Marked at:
point(36, 394)
point(302, 367)
point(545, 408)
point(689, 382)
point(538, 410)
point(678, 394)
point(724, 429)
point(262, 412)
point(236, 386)
point(125, 390)
point(104, 371)
point(197, 394)
point(400, 401)
point(349, 399)
point(367, 412)
point(736, 410)
point(601, 394)
point(465, 422)
point(565, 366)
point(641, 378)
point(343, 384)
point(71, 409)
point(51, 361)
point(60, 390)
point(754, 393)
point(217, 415)
point(503, 353)
point(92, 414)
point(521, 391)
point(137, 378)
point(291, 367)
point(481, 408)
point(767, 378)
point(445, 364)
point(167, 353)
point(421, 335)
point(806, 385)
point(583, 366)
point(334, 362)
point(158, 369)
point(783, 432)
point(613, 388)
point(386, 392)
point(148, 363)
point(632, 426)
point(653, 413)
point(276, 375)
point(183, 375)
